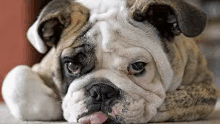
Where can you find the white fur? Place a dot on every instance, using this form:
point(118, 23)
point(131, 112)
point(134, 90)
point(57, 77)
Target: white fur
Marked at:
point(35, 39)
point(74, 105)
point(28, 98)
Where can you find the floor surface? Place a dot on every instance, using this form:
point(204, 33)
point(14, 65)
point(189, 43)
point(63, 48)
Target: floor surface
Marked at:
point(7, 118)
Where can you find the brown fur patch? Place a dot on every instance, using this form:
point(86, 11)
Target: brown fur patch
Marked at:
point(196, 96)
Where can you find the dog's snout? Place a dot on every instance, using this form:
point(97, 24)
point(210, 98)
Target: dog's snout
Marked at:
point(103, 92)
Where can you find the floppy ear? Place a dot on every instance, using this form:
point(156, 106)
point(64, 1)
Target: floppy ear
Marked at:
point(170, 17)
point(46, 31)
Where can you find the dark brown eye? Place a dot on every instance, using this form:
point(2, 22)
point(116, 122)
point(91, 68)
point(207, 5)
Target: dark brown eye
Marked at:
point(136, 68)
point(73, 68)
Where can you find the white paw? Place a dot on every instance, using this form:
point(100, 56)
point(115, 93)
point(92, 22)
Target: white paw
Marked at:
point(28, 98)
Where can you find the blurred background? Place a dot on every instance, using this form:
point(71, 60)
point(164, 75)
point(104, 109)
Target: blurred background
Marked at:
point(209, 40)
point(18, 15)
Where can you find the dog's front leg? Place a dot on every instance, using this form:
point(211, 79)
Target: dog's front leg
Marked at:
point(28, 98)
point(188, 103)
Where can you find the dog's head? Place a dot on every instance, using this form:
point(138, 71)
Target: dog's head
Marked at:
point(108, 58)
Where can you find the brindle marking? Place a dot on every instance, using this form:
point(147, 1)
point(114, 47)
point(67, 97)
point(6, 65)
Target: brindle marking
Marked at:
point(196, 97)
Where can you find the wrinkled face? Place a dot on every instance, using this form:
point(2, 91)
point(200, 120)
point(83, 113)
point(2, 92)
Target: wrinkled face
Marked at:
point(115, 77)
point(109, 74)
point(108, 59)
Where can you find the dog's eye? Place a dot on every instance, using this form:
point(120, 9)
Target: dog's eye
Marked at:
point(73, 68)
point(137, 68)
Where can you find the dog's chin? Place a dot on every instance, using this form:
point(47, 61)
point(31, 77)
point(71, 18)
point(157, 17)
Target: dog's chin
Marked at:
point(118, 114)
point(80, 114)
point(98, 118)
point(104, 114)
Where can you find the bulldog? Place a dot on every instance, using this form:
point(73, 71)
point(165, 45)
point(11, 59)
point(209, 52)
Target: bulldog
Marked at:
point(114, 61)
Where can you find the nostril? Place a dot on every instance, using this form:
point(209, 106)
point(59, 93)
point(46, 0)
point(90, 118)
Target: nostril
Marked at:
point(110, 95)
point(93, 93)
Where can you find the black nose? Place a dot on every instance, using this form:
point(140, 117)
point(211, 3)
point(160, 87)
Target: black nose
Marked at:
point(103, 92)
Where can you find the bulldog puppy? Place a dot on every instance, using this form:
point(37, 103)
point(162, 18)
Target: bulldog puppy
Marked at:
point(114, 61)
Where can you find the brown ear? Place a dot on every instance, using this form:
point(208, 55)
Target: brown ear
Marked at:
point(55, 17)
point(53, 20)
point(177, 14)
point(49, 25)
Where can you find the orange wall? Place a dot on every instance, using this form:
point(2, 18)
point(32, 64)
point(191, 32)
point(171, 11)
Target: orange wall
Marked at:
point(15, 17)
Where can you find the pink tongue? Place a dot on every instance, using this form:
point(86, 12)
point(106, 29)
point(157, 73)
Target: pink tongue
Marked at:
point(95, 118)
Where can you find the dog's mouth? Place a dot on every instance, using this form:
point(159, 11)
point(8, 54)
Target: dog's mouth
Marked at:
point(97, 118)
point(93, 118)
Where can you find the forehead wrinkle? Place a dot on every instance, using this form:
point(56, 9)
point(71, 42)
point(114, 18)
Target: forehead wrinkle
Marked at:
point(67, 52)
point(119, 19)
point(121, 42)
point(134, 54)
point(70, 50)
